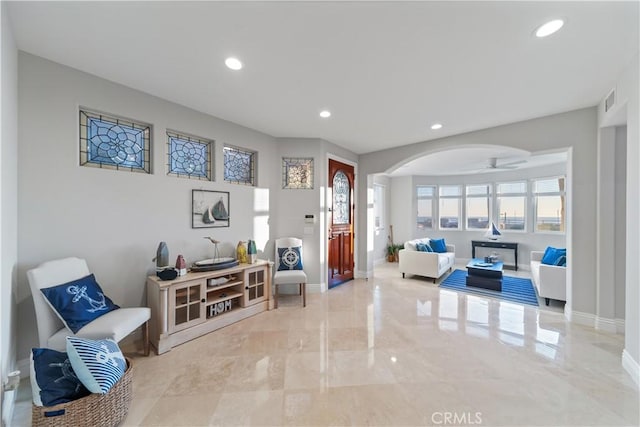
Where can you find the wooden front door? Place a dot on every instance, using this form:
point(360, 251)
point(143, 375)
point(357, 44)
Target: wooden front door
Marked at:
point(341, 222)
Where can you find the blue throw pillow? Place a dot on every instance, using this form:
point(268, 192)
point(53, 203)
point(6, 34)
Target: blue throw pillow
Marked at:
point(552, 254)
point(98, 364)
point(78, 302)
point(290, 258)
point(53, 380)
point(423, 247)
point(438, 245)
point(561, 261)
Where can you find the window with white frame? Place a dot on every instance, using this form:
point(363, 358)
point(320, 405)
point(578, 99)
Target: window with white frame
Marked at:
point(425, 195)
point(549, 199)
point(478, 206)
point(511, 202)
point(378, 206)
point(450, 206)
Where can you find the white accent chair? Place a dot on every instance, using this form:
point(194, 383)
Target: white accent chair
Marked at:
point(289, 277)
point(52, 333)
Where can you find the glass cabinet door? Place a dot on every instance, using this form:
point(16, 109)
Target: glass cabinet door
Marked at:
point(186, 302)
point(255, 287)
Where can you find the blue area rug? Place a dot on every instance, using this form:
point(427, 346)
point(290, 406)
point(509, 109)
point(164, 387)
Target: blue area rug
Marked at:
point(514, 289)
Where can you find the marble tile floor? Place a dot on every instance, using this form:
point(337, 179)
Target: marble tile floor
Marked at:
point(387, 351)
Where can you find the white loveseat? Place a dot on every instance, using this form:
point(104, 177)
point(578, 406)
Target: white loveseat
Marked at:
point(550, 280)
point(429, 264)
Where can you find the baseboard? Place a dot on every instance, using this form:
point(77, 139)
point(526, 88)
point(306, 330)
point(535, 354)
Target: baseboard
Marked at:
point(293, 289)
point(607, 325)
point(614, 326)
point(359, 274)
point(631, 366)
point(315, 288)
point(586, 319)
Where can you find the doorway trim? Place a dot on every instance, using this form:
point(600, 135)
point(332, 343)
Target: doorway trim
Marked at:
point(324, 226)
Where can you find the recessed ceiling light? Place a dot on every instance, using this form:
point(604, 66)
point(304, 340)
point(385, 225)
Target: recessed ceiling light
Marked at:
point(436, 126)
point(549, 28)
point(233, 63)
point(325, 113)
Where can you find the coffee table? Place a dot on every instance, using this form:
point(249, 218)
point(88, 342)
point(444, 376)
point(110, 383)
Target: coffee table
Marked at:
point(484, 275)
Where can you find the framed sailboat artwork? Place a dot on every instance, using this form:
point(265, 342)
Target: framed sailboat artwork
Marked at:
point(210, 209)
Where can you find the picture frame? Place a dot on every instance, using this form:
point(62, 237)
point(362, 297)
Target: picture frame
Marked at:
point(210, 209)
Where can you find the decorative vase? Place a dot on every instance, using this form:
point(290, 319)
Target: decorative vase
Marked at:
point(252, 252)
point(241, 252)
point(162, 256)
point(181, 266)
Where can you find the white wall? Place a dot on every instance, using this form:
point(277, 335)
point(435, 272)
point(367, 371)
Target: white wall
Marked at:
point(295, 204)
point(8, 209)
point(574, 131)
point(401, 209)
point(620, 227)
point(527, 241)
point(115, 219)
point(627, 102)
point(381, 234)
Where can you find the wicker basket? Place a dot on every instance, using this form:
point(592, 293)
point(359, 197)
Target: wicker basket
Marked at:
point(104, 410)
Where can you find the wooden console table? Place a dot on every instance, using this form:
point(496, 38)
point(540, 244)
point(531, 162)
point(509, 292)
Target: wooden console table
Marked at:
point(198, 303)
point(496, 245)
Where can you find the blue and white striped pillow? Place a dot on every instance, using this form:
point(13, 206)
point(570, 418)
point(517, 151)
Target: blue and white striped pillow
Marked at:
point(97, 364)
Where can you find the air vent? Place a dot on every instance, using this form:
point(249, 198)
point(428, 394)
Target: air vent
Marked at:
point(610, 100)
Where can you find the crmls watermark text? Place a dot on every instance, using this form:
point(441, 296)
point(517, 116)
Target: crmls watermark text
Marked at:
point(456, 418)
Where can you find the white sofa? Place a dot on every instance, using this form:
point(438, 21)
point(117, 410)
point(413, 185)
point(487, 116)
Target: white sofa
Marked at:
point(550, 280)
point(429, 264)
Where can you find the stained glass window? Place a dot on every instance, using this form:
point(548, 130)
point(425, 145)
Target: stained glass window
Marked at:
point(114, 143)
point(341, 202)
point(189, 156)
point(239, 166)
point(297, 173)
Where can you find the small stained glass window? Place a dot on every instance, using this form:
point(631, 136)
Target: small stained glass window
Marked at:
point(112, 142)
point(189, 156)
point(297, 173)
point(239, 166)
point(341, 202)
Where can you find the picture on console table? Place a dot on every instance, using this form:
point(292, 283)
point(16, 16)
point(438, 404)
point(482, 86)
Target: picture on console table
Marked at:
point(210, 209)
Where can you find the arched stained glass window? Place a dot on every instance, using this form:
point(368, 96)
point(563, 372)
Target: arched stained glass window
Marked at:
point(341, 195)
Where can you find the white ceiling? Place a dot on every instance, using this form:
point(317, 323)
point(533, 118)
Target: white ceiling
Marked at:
point(386, 70)
point(477, 160)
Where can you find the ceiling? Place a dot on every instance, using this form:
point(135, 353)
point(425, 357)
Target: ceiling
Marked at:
point(477, 160)
point(386, 70)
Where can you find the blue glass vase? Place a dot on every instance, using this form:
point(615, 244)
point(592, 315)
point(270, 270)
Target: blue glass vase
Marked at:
point(252, 252)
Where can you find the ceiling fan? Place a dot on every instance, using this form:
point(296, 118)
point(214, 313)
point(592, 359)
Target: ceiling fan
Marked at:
point(492, 164)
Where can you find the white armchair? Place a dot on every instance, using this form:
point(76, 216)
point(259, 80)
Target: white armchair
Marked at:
point(52, 333)
point(283, 277)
